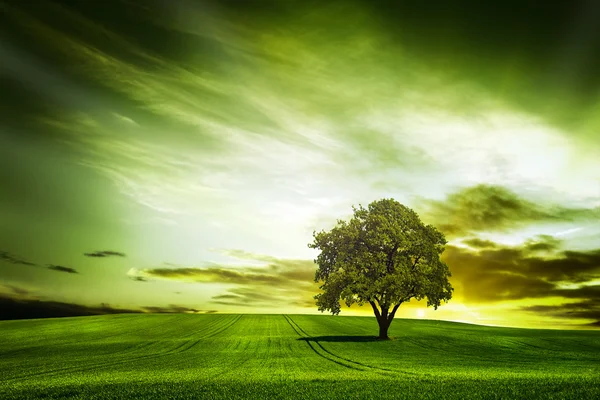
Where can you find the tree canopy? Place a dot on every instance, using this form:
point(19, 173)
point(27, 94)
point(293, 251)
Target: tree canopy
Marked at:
point(384, 256)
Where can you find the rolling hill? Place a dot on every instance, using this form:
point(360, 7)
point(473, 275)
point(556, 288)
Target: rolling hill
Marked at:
point(256, 356)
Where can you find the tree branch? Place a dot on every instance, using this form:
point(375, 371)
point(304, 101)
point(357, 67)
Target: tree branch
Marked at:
point(375, 310)
point(377, 300)
point(393, 313)
point(415, 263)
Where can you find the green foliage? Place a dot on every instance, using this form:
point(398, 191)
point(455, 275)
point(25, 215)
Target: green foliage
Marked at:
point(290, 357)
point(384, 256)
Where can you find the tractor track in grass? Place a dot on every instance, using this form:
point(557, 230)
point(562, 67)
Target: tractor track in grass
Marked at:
point(177, 350)
point(330, 356)
point(218, 331)
point(289, 321)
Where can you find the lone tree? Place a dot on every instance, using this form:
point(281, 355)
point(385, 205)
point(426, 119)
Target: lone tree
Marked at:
point(383, 256)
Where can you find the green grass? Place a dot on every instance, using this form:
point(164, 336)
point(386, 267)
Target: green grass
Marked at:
point(184, 356)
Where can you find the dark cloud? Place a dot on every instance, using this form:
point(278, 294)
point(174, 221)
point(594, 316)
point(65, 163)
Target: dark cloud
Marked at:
point(505, 273)
point(105, 253)
point(227, 297)
point(17, 305)
point(13, 308)
point(573, 266)
point(11, 258)
point(495, 208)
point(588, 309)
point(172, 308)
point(60, 268)
point(542, 243)
point(583, 292)
point(6, 256)
point(138, 278)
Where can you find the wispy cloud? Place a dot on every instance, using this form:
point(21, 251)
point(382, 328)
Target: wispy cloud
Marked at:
point(478, 243)
point(303, 102)
point(16, 290)
point(277, 282)
point(104, 253)
point(495, 208)
point(277, 272)
point(174, 308)
point(17, 260)
point(61, 268)
point(13, 259)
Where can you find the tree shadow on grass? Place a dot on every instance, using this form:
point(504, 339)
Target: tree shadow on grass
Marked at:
point(340, 339)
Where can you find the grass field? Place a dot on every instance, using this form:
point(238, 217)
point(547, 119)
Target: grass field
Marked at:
point(290, 356)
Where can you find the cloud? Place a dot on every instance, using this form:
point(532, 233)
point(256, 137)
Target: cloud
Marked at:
point(173, 308)
point(105, 253)
point(278, 282)
point(60, 268)
point(245, 255)
point(211, 275)
point(10, 258)
point(487, 272)
point(588, 309)
point(542, 243)
point(23, 308)
point(510, 273)
point(276, 272)
point(15, 290)
point(20, 305)
point(495, 208)
point(586, 291)
point(539, 243)
point(478, 243)
point(304, 102)
point(251, 297)
point(536, 270)
point(277, 296)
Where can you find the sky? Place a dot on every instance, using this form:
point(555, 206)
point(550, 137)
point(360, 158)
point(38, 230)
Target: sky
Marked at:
point(176, 156)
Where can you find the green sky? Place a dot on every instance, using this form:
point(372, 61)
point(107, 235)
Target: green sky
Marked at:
point(180, 154)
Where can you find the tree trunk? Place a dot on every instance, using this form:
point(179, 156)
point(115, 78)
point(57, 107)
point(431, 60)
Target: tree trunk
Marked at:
point(383, 318)
point(383, 329)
